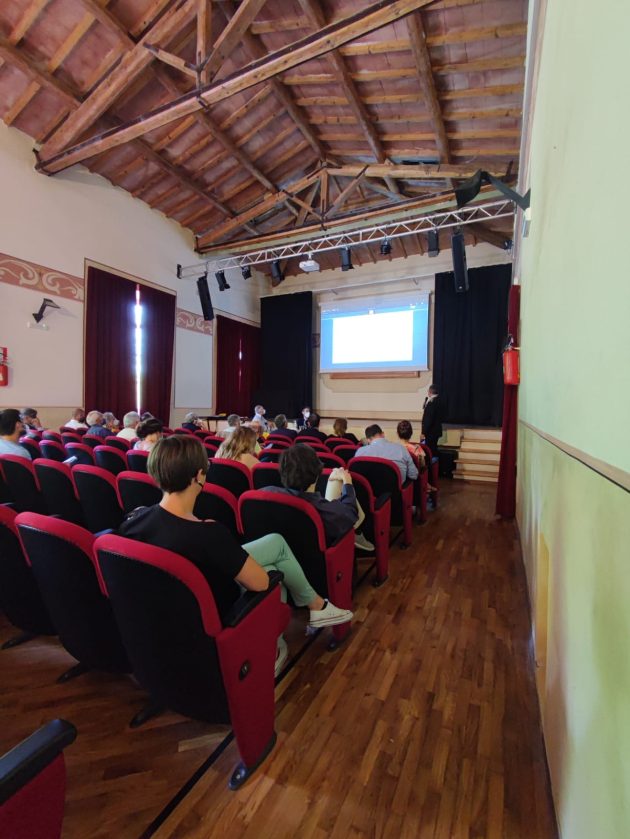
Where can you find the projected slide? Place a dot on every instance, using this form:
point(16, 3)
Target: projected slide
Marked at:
point(367, 335)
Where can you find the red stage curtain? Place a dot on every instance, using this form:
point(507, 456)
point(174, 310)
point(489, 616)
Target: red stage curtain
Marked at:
point(238, 366)
point(158, 311)
point(506, 489)
point(109, 354)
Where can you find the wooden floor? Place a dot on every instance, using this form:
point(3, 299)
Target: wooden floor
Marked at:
point(424, 724)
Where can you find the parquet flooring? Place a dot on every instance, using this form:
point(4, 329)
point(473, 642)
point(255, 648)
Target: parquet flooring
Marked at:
point(423, 725)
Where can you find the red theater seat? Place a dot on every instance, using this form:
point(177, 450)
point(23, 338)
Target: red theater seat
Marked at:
point(70, 437)
point(346, 452)
point(52, 435)
point(21, 481)
point(52, 450)
point(118, 443)
point(99, 498)
point(434, 473)
point(57, 486)
point(376, 524)
point(137, 490)
point(183, 655)
point(84, 454)
point(110, 458)
point(31, 445)
point(233, 476)
point(215, 502)
point(384, 478)
point(137, 460)
point(266, 475)
point(33, 784)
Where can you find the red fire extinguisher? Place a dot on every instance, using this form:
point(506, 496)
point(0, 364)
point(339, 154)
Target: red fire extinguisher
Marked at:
point(4, 367)
point(511, 366)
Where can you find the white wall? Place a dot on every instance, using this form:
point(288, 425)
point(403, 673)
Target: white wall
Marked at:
point(60, 221)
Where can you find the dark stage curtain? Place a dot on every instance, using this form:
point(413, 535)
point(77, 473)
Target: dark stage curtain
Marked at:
point(287, 353)
point(109, 355)
point(238, 366)
point(506, 489)
point(158, 308)
point(469, 337)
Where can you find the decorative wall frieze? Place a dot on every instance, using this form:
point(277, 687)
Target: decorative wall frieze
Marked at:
point(193, 322)
point(20, 272)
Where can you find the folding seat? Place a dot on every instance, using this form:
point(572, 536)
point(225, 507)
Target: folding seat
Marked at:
point(333, 442)
point(118, 443)
point(64, 429)
point(99, 497)
point(328, 569)
point(137, 460)
point(278, 442)
point(420, 490)
point(271, 455)
point(434, 473)
point(331, 460)
point(137, 490)
point(201, 434)
point(52, 450)
point(183, 431)
point(33, 783)
point(166, 431)
point(304, 438)
point(215, 502)
point(376, 524)
point(20, 599)
point(211, 450)
point(52, 435)
point(70, 437)
point(230, 475)
point(31, 445)
point(181, 653)
point(266, 475)
point(57, 486)
point(384, 477)
point(213, 440)
point(314, 444)
point(19, 476)
point(84, 454)
point(107, 457)
point(92, 440)
point(346, 453)
point(62, 558)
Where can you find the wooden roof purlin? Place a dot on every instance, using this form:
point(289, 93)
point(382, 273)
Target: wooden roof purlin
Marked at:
point(264, 116)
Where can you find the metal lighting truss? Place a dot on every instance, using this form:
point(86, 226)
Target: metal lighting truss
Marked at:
point(474, 213)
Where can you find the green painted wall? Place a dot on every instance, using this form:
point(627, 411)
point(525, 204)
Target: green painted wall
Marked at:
point(575, 339)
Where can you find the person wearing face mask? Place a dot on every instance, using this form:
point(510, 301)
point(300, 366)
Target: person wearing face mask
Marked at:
point(302, 420)
point(259, 416)
point(11, 429)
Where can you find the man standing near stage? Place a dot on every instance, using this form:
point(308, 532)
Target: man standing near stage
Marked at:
point(432, 419)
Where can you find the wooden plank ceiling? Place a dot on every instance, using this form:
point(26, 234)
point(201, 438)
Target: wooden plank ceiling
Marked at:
point(237, 120)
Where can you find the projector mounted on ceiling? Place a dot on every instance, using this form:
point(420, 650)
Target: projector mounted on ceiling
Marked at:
point(309, 264)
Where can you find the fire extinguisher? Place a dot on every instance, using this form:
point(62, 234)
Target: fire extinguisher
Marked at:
point(4, 367)
point(511, 367)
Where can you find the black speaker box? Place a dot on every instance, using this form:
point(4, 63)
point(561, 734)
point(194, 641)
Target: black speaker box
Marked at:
point(204, 297)
point(433, 239)
point(459, 262)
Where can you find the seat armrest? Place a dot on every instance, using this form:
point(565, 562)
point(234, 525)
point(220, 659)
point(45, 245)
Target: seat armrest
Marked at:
point(407, 483)
point(247, 602)
point(382, 500)
point(31, 756)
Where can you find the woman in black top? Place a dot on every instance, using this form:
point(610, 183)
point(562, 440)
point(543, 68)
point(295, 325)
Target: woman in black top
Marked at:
point(178, 464)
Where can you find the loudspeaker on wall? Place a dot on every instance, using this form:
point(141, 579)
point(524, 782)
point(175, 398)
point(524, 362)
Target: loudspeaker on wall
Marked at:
point(204, 297)
point(460, 270)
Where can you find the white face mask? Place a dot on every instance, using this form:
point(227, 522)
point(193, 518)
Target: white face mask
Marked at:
point(306, 414)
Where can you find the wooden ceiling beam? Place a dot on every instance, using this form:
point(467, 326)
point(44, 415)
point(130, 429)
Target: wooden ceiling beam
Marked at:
point(231, 36)
point(107, 19)
point(403, 98)
point(346, 193)
point(310, 199)
point(415, 173)
point(173, 60)
point(56, 155)
point(204, 36)
point(26, 20)
point(129, 67)
point(36, 73)
point(493, 237)
point(457, 36)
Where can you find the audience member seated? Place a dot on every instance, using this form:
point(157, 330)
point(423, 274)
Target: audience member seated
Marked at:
point(259, 417)
point(282, 429)
point(111, 423)
point(146, 415)
point(191, 422)
point(130, 423)
point(404, 430)
point(299, 470)
point(148, 432)
point(11, 429)
point(233, 422)
point(303, 418)
point(240, 446)
point(77, 420)
point(178, 465)
point(340, 429)
point(378, 446)
point(96, 425)
point(311, 429)
point(31, 420)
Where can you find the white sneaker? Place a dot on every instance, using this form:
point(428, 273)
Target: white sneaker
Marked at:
point(330, 615)
point(281, 655)
point(362, 543)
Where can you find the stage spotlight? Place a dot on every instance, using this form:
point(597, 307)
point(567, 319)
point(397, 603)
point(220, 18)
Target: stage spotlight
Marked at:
point(346, 259)
point(222, 282)
point(434, 242)
point(386, 247)
point(246, 271)
point(469, 189)
point(276, 273)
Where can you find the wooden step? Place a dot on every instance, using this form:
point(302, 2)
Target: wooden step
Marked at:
point(471, 468)
point(476, 478)
point(466, 456)
point(486, 434)
point(479, 446)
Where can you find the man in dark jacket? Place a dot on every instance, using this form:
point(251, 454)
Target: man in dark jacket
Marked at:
point(432, 420)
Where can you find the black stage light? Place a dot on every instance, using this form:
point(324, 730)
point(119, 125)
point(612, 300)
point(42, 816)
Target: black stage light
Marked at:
point(434, 242)
point(222, 282)
point(386, 247)
point(276, 273)
point(246, 271)
point(204, 297)
point(346, 259)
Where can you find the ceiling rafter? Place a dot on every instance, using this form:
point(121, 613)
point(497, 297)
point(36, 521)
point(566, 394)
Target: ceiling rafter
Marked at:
point(332, 36)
